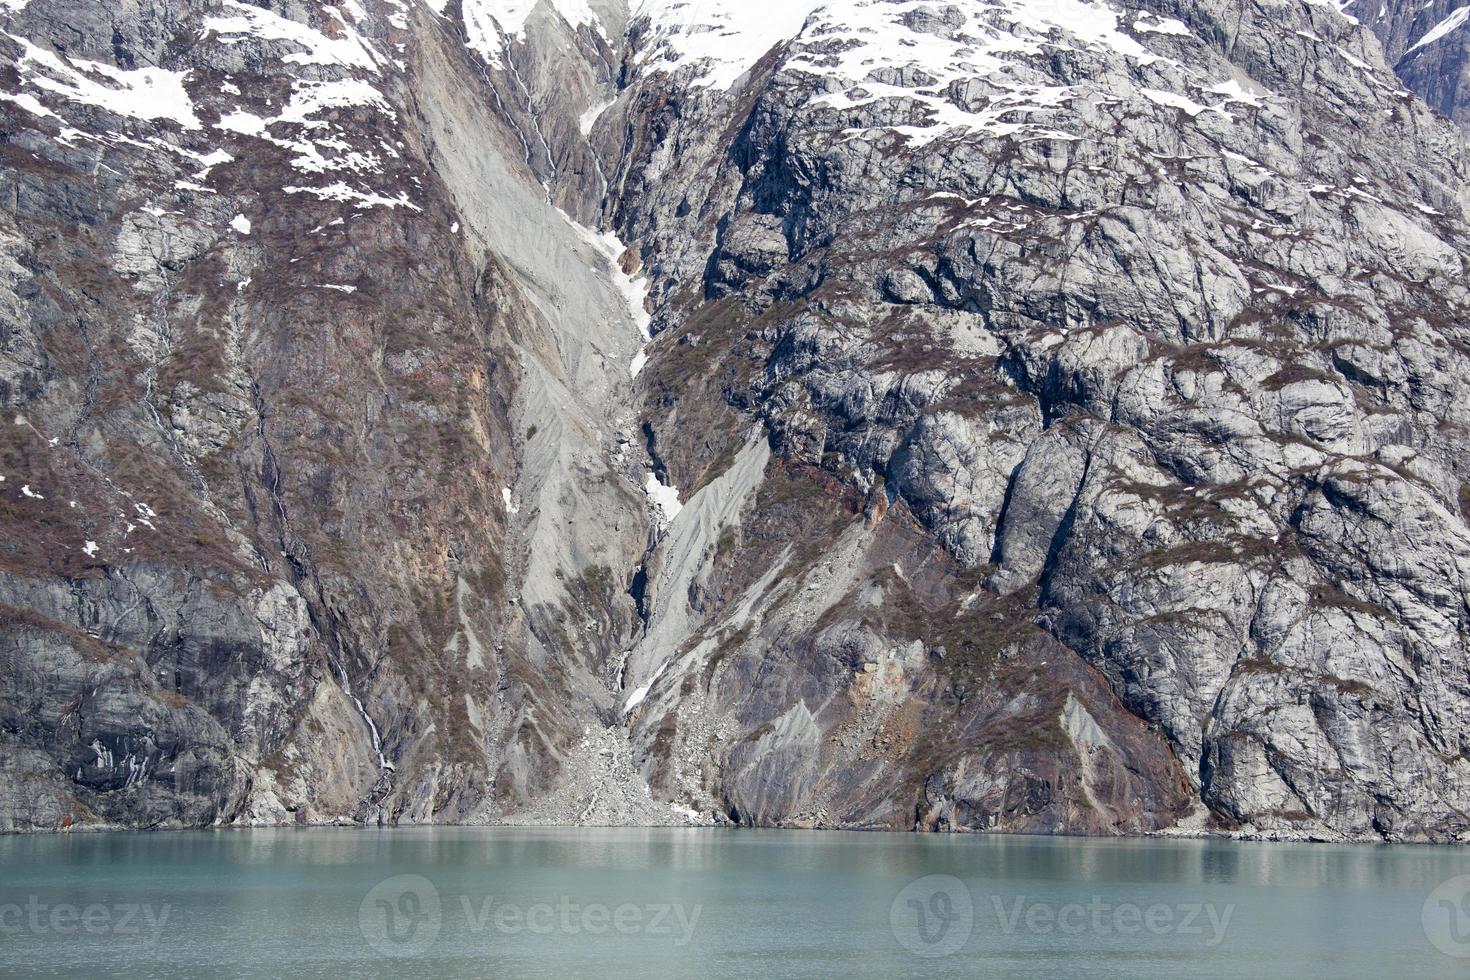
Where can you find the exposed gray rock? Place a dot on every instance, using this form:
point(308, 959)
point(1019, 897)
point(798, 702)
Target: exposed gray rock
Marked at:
point(1043, 418)
point(1429, 47)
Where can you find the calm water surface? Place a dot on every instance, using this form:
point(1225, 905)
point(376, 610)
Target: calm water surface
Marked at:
point(718, 903)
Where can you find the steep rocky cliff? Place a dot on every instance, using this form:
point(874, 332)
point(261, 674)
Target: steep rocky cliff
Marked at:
point(878, 413)
point(1429, 46)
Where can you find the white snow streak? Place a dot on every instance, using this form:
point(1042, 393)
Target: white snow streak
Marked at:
point(1443, 28)
point(594, 113)
point(144, 93)
point(346, 48)
point(345, 194)
point(636, 698)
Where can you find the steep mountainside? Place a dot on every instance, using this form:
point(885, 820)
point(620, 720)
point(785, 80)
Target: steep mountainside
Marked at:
point(1429, 46)
point(873, 413)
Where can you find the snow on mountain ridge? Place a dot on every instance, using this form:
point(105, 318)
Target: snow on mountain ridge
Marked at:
point(976, 68)
point(143, 93)
point(728, 38)
point(488, 23)
point(350, 50)
point(882, 35)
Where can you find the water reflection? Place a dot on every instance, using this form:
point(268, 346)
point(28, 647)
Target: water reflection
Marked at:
point(778, 904)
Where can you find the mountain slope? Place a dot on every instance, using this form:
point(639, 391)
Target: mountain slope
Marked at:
point(1427, 45)
point(1006, 416)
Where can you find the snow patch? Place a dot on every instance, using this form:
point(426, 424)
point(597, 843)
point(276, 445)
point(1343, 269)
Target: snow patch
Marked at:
point(634, 290)
point(208, 161)
point(1173, 100)
point(876, 54)
point(725, 37)
point(489, 23)
point(29, 103)
point(310, 97)
point(1234, 91)
point(345, 47)
point(688, 813)
point(1160, 25)
point(851, 39)
point(873, 53)
point(148, 94)
point(320, 146)
point(665, 498)
point(594, 113)
point(638, 696)
point(613, 249)
point(243, 122)
point(363, 199)
point(1451, 23)
point(241, 224)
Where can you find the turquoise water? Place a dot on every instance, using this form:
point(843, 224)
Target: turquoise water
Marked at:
point(718, 903)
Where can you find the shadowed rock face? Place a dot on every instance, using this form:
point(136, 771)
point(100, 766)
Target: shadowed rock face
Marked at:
point(1428, 46)
point(1038, 418)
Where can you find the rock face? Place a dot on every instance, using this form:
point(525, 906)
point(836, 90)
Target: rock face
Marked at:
point(875, 414)
point(1429, 47)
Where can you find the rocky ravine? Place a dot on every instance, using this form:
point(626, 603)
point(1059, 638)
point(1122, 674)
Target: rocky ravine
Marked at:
point(887, 414)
